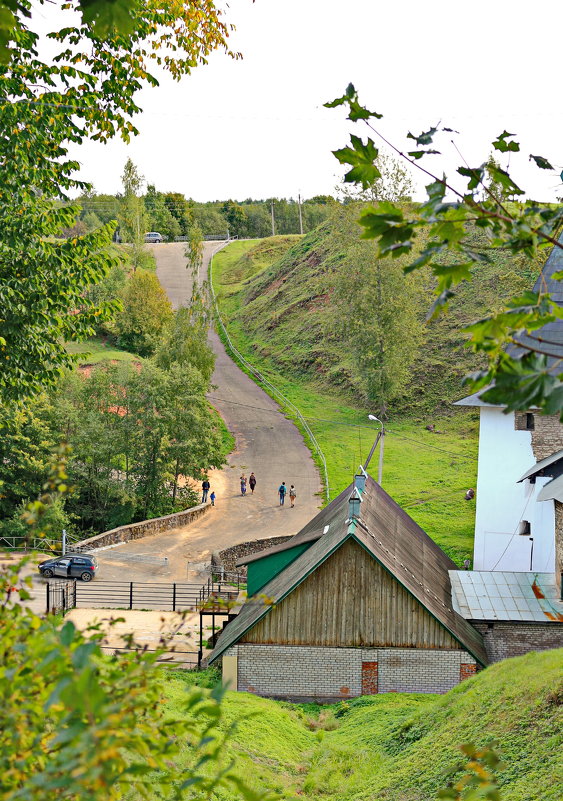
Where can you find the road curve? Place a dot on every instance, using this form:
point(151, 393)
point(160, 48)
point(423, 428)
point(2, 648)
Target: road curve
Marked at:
point(266, 442)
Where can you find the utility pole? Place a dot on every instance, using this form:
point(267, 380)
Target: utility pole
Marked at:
point(64, 542)
point(381, 446)
point(300, 215)
point(381, 440)
point(273, 222)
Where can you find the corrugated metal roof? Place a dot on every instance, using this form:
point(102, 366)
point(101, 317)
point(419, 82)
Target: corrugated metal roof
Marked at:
point(539, 466)
point(496, 595)
point(395, 540)
point(552, 333)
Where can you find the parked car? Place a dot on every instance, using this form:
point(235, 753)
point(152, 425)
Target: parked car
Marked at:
point(71, 565)
point(154, 236)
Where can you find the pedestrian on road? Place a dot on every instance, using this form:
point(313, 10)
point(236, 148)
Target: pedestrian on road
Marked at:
point(292, 495)
point(282, 490)
point(252, 482)
point(205, 486)
point(243, 484)
point(212, 499)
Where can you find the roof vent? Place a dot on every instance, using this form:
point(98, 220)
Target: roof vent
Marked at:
point(354, 502)
point(360, 481)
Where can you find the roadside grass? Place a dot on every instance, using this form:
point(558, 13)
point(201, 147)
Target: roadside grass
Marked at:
point(97, 350)
point(398, 746)
point(427, 473)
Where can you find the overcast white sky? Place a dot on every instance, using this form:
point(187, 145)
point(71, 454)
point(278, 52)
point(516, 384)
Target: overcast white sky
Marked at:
point(256, 127)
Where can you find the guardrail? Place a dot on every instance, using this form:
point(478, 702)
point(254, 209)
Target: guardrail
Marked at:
point(38, 543)
point(273, 389)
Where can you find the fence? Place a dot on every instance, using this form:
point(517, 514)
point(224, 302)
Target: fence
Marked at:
point(172, 657)
point(37, 544)
point(272, 389)
point(61, 596)
point(144, 595)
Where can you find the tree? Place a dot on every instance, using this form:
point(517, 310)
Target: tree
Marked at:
point(521, 373)
point(160, 217)
point(378, 312)
point(235, 217)
point(132, 217)
point(77, 723)
point(86, 90)
point(179, 208)
point(146, 313)
point(210, 220)
point(185, 342)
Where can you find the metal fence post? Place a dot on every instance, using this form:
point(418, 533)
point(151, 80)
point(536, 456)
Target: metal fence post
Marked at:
point(174, 597)
point(131, 595)
point(48, 599)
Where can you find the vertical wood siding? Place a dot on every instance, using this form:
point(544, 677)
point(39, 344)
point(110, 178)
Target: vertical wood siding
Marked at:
point(351, 600)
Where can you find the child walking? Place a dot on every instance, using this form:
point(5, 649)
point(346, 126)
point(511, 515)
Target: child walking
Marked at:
point(212, 499)
point(292, 495)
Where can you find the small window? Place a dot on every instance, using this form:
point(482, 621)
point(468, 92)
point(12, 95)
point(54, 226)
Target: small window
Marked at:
point(530, 423)
point(524, 529)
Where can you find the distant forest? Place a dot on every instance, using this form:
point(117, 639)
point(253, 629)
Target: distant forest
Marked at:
point(173, 215)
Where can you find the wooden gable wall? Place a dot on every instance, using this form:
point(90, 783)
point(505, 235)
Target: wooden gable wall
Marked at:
point(351, 600)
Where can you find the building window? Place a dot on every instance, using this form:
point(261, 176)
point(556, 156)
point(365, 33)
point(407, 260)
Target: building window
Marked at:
point(530, 424)
point(524, 528)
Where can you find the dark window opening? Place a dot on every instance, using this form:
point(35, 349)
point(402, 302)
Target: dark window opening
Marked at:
point(524, 528)
point(530, 423)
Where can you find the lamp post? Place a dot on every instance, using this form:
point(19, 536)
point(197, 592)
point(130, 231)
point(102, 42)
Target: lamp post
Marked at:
point(380, 438)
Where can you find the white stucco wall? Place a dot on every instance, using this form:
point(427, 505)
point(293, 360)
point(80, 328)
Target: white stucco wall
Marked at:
point(504, 455)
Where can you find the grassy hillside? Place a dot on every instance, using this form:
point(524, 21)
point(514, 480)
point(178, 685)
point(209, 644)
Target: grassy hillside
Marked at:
point(403, 747)
point(97, 350)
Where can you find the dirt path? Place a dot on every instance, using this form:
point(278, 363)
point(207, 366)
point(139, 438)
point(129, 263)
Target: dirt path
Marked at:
point(267, 443)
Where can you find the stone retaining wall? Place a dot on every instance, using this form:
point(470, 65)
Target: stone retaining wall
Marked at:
point(229, 556)
point(145, 528)
point(504, 639)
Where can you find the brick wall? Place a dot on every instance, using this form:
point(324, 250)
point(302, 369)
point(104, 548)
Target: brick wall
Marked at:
point(503, 640)
point(547, 434)
point(229, 556)
point(330, 674)
point(145, 528)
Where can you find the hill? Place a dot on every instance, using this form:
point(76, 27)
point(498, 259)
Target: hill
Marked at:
point(400, 747)
point(288, 310)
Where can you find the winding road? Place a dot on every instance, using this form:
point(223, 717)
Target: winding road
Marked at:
point(266, 442)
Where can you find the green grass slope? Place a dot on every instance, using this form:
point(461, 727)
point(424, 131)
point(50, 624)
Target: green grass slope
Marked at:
point(426, 473)
point(401, 747)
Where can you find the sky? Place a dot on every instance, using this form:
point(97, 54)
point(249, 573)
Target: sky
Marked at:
point(257, 127)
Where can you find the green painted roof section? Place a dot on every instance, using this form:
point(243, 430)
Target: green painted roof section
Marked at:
point(264, 570)
point(399, 545)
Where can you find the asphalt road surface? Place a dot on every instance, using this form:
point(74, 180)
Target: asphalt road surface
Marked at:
point(266, 443)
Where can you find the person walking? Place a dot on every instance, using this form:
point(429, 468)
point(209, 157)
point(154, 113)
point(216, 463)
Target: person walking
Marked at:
point(212, 499)
point(205, 486)
point(243, 484)
point(292, 495)
point(252, 482)
point(282, 490)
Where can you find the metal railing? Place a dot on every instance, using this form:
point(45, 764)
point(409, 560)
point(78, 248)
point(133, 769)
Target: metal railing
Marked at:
point(273, 389)
point(151, 595)
point(167, 657)
point(61, 596)
point(38, 544)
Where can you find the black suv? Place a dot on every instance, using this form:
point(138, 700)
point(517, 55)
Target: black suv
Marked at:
point(72, 565)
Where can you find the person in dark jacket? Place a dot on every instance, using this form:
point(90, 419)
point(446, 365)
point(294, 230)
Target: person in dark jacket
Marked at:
point(205, 487)
point(252, 482)
point(282, 490)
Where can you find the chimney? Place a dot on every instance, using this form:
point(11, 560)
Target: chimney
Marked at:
point(360, 481)
point(354, 502)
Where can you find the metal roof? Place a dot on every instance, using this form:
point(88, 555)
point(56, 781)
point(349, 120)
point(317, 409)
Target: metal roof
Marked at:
point(496, 595)
point(391, 537)
point(552, 491)
point(552, 333)
point(539, 466)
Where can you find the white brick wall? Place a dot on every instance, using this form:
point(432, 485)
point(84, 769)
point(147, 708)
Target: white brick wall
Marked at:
point(302, 671)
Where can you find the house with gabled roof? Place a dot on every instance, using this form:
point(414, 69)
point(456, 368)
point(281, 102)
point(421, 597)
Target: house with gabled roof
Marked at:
point(358, 602)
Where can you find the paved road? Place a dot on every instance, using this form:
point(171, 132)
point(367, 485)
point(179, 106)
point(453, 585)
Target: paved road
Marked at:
point(266, 443)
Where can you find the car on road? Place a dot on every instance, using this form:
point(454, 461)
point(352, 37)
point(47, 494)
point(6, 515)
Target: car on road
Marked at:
point(154, 236)
point(71, 565)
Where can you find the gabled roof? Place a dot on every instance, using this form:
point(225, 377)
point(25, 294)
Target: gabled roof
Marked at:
point(333, 514)
point(499, 595)
point(394, 540)
point(553, 491)
point(542, 465)
point(551, 334)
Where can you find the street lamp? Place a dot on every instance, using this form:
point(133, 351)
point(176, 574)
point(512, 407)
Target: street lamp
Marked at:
point(380, 436)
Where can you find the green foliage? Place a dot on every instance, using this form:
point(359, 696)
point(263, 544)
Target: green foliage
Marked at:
point(448, 216)
point(132, 217)
point(146, 313)
point(185, 343)
point(85, 90)
point(78, 724)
